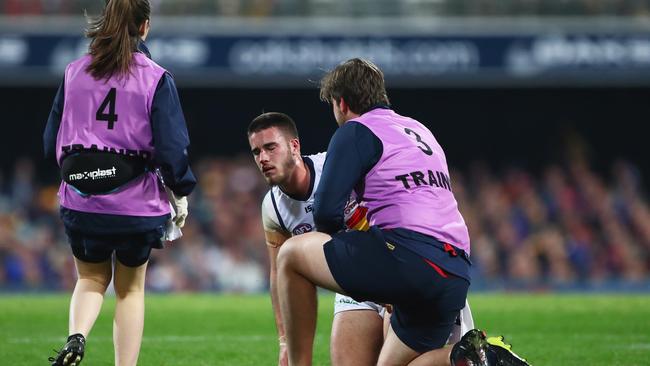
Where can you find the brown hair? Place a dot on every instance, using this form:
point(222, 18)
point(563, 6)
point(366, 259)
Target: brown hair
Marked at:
point(274, 119)
point(115, 35)
point(359, 82)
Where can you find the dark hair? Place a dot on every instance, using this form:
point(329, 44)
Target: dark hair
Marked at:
point(359, 82)
point(274, 119)
point(115, 36)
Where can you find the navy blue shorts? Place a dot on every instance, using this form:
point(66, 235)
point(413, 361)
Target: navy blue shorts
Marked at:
point(132, 250)
point(426, 299)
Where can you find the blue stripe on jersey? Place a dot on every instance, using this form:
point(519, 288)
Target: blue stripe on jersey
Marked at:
point(312, 180)
point(312, 175)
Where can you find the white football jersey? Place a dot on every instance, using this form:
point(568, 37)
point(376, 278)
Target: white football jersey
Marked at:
point(293, 215)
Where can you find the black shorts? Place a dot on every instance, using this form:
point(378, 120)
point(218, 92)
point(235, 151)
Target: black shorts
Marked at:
point(426, 300)
point(132, 250)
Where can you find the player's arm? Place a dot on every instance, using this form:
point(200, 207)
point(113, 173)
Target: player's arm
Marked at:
point(274, 240)
point(275, 236)
point(352, 152)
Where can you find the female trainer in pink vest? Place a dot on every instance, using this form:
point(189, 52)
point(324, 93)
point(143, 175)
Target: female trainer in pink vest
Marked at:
point(117, 132)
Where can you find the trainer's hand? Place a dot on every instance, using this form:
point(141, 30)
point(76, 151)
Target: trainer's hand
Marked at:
point(180, 207)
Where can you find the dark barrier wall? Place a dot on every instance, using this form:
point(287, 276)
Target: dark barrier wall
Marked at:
point(285, 54)
point(529, 127)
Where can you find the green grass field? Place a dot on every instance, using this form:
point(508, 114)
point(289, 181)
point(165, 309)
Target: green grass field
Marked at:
point(239, 330)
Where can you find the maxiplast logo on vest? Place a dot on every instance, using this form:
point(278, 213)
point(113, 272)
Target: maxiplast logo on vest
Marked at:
point(94, 174)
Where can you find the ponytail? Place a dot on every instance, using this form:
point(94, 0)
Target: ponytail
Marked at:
point(115, 35)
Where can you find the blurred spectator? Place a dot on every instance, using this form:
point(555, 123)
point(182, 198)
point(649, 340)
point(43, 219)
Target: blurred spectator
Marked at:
point(568, 227)
point(356, 8)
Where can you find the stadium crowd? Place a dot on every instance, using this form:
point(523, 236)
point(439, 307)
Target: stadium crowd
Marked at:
point(568, 226)
point(262, 8)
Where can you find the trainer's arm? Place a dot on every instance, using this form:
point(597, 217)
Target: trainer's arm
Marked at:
point(352, 152)
point(170, 138)
point(52, 126)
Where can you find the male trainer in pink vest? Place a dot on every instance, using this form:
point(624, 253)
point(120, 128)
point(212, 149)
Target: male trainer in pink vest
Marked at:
point(415, 255)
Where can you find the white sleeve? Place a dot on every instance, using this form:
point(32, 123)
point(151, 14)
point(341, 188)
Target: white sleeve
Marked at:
point(269, 216)
point(466, 319)
point(465, 325)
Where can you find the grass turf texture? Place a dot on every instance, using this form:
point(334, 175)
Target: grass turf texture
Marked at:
point(239, 330)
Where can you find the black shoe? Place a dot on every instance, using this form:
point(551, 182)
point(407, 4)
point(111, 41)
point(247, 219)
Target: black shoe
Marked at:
point(72, 352)
point(471, 350)
point(500, 353)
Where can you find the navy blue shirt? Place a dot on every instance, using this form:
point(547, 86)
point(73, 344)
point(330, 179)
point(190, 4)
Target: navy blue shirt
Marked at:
point(170, 139)
point(352, 152)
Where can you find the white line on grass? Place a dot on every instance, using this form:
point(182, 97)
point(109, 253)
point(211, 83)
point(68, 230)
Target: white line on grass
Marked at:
point(153, 339)
point(635, 346)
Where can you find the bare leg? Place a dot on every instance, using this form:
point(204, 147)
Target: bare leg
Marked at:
point(437, 357)
point(395, 352)
point(357, 338)
point(88, 295)
point(301, 267)
point(386, 326)
point(129, 313)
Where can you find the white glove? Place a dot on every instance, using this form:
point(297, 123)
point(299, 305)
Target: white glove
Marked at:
point(179, 203)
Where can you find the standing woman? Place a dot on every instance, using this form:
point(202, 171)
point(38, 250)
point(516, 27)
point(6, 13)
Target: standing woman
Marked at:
point(118, 133)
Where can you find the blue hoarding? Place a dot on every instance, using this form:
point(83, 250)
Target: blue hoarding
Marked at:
point(407, 60)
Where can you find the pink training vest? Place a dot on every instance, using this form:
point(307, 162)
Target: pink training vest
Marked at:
point(409, 187)
point(112, 115)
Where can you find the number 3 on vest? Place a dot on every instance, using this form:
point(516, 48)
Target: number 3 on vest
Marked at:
point(109, 102)
point(426, 149)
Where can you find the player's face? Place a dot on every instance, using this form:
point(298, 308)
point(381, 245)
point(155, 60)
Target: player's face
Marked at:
point(273, 155)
